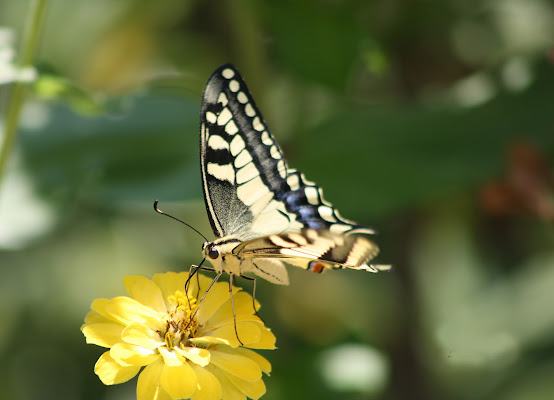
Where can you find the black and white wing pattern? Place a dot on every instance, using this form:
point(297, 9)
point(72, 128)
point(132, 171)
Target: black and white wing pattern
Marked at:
point(263, 212)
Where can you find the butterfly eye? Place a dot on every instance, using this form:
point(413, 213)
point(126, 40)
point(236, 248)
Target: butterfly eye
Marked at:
point(213, 253)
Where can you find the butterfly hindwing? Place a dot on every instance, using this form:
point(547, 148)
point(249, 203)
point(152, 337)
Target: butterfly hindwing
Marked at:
point(314, 250)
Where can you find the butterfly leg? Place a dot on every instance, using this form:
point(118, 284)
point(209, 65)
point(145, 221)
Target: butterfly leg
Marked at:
point(233, 306)
point(205, 294)
point(192, 271)
point(209, 287)
point(248, 278)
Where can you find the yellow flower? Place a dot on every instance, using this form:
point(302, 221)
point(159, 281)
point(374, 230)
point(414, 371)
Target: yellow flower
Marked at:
point(187, 350)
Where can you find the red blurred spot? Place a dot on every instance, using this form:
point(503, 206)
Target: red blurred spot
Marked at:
point(550, 55)
point(527, 187)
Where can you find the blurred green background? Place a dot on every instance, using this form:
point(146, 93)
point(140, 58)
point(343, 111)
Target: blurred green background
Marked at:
point(430, 121)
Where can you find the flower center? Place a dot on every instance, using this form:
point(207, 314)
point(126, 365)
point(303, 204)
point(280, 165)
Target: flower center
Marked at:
point(181, 322)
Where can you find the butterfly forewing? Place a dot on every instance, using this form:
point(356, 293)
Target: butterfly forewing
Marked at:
point(248, 188)
point(251, 195)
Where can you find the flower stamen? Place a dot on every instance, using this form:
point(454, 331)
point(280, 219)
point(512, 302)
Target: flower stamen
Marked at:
point(169, 337)
point(181, 322)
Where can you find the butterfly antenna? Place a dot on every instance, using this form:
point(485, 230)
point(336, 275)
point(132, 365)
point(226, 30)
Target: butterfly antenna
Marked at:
point(177, 219)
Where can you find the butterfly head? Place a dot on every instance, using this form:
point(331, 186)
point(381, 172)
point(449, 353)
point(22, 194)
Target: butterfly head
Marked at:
point(210, 250)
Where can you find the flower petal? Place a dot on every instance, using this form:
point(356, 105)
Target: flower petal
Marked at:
point(171, 358)
point(145, 292)
point(197, 355)
point(231, 320)
point(104, 334)
point(208, 340)
point(267, 340)
point(264, 365)
point(228, 390)
point(208, 387)
point(248, 332)
point(244, 310)
point(128, 354)
point(254, 390)
point(204, 282)
point(171, 282)
point(127, 310)
point(235, 364)
point(148, 385)
point(217, 296)
point(112, 373)
point(141, 335)
point(179, 382)
point(94, 317)
point(99, 306)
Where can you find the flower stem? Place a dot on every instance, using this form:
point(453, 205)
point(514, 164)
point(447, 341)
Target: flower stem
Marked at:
point(26, 55)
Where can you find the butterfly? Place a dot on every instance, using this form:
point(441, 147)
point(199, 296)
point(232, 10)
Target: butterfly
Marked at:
point(264, 213)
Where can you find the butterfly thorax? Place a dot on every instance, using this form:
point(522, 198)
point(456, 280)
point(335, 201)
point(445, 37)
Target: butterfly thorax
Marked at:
point(239, 257)
point(220, 253)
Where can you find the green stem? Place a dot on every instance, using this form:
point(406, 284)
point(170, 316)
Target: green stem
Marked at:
point(26, 56)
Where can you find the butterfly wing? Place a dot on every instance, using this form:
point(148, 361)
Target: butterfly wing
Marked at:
point(314, 250)
point(248, 189)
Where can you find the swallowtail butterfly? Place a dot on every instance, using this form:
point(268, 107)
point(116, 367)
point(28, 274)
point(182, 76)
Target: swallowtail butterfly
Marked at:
point(263, 212)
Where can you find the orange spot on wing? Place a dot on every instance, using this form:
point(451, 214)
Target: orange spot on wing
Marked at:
point(316, 267)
